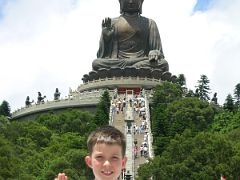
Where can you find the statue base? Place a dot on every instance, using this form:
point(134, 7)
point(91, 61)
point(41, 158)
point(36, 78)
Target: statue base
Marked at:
point(144, 72)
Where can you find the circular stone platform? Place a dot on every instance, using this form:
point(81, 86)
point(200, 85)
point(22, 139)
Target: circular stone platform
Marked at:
point(118, 82)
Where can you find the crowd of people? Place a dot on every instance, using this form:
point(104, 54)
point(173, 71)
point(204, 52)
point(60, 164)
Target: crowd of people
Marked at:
point(140, 126)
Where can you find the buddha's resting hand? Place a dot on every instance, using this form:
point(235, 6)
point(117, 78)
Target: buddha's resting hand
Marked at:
point(154, 56)
point(107, 29)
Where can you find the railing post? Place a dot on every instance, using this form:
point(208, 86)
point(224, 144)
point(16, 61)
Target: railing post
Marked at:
point(129, 118)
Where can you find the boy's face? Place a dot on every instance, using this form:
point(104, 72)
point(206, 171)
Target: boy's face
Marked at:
point(106, 161)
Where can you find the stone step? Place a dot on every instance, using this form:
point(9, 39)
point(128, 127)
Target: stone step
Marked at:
point(119, 123)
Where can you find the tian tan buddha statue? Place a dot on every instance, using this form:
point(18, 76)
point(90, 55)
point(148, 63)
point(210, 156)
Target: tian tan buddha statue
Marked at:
point(130, 40)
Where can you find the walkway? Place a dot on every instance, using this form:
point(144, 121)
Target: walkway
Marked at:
point(120, 124)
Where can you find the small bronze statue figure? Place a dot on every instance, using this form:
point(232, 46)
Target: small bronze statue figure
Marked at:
point(28, 102)
point(40, 99)
point(214, 99)
point(57, 95)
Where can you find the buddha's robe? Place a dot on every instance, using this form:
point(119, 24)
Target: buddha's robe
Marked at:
point(133, 39)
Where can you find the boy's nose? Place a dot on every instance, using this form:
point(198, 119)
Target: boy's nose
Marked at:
point(106, 163)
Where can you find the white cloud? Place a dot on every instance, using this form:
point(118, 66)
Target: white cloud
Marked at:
point(46, 44)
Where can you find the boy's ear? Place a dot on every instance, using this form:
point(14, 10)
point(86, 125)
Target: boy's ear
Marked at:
point(88, 161)
point(124, 162)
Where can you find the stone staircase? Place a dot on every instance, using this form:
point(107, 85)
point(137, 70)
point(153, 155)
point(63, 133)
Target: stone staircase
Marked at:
point(139, 137)
point(119, 123)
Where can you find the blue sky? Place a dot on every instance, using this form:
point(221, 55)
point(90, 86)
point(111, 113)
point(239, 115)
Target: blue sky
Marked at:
point(203, 5)
point(2, 3)
point(49, 44)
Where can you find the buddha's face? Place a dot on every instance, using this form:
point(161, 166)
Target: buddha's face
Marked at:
point(131, 6)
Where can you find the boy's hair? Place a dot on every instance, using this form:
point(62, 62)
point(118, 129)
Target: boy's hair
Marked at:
point(107, 135)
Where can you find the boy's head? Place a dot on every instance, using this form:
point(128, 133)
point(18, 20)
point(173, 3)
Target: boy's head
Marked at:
point(106, 146)
point(107, 135)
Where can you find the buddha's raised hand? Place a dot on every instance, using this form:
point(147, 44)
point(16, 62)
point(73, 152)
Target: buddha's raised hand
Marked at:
point(107, 28)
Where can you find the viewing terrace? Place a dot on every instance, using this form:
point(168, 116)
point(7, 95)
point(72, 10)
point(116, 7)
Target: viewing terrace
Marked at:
point(87, 99)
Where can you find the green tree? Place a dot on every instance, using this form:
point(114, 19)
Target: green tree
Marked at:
point(9, 161)
point(166, 93)
point(70, 120)
point(103, 109)
point(204, 156)
point(5, 109)
point(189, 113)
point(229, 103)
point(38, 133)
point(185, 113)
point(225, 122)
point(190, 93)
point(237, 95)
point(163, 95)
point(203, 88)
point(4, 123)
point(181, 80)
point(42, 148)
point(66, 153)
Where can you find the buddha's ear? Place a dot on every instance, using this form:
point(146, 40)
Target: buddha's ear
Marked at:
point(120, 6)
point(88, 160)
point(140, 10)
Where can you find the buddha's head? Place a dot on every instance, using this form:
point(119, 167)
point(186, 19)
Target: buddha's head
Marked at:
point(131, 6)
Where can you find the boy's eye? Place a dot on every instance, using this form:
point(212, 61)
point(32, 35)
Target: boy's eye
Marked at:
point(115, 158)
point(99, 157)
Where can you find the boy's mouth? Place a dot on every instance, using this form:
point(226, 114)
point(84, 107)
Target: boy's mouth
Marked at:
point(107, 173)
